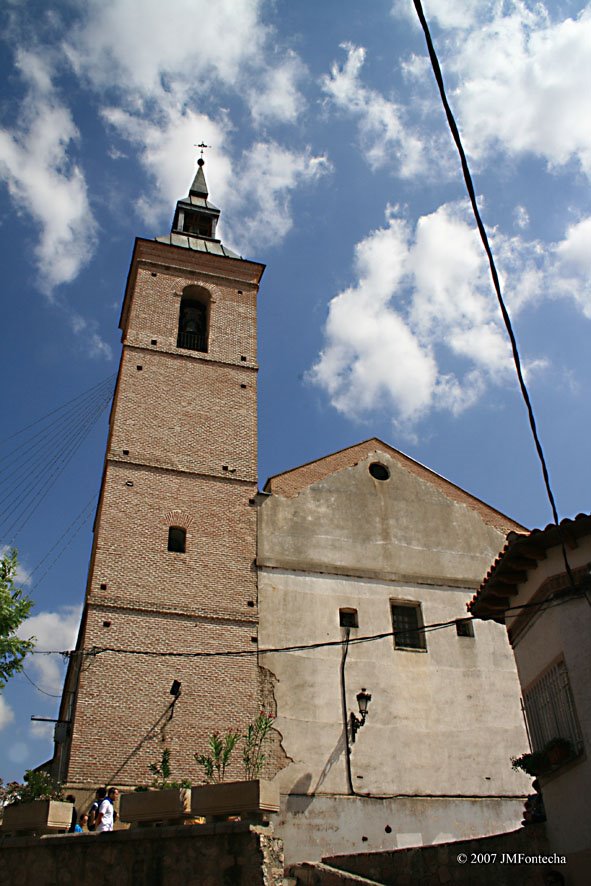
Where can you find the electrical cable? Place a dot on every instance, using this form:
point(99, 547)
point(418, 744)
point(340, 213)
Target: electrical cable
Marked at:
point(557, 599)
point(52, 432)
point(493, 270)
point(110, 379)
point(39, 487)
point(38, 688)
point(87, 512)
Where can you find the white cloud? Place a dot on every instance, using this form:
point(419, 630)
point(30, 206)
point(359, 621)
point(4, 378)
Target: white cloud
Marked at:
point(521, 217)
point(141, 49)
point(258, 205)
point(385, 137)
point(44, 181)
point(94, 345)
point(420, 329)
point(40, 730)
point(572, 268)
point(520, 84)
point(6, 713)
point(447, 13)
point(275, 95)
point(166, 145)
point(254, 189)
point(53, 631)
point(190, 49)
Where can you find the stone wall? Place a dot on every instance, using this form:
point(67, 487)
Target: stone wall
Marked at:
point(228, 854)
point(487, 861)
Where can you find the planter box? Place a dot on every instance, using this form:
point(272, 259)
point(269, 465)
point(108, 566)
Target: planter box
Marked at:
point(150, 807)
point(38, 816)
point(235, 798)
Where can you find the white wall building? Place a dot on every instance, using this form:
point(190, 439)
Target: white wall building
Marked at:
point(368, 538)
point(551, 639)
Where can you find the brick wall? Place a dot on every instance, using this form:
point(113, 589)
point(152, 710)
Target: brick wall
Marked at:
point(187, 423)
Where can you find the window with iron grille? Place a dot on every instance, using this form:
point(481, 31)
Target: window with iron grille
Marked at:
point(407, 622)
point(550, 709)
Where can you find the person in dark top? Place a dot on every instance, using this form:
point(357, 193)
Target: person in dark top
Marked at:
point(93, 811)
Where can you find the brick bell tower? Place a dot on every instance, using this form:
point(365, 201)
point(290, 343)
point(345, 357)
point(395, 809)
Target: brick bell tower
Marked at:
point(172, 565)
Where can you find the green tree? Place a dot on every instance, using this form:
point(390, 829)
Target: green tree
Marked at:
point(14, 609)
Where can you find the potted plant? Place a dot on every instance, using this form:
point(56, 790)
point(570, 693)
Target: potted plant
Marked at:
point(165, 800)
point(535, 763)
point(253, 796)
point(558, 751)
point(36, 806)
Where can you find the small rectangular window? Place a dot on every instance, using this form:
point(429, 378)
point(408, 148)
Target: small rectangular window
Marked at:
point(348, 618)
point(177, 539)
point(407, 622)
point(464, 627)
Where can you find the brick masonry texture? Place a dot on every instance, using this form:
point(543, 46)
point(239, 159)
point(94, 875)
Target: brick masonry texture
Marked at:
point(187, 423)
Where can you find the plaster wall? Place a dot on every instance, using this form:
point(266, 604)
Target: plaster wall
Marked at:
point(443, 723)
point(308, 825)
point(562, 632)
point(406, 526)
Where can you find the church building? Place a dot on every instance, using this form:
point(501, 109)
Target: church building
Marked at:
point(334, 599)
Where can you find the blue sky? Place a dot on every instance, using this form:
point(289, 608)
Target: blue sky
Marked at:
point(332, 163)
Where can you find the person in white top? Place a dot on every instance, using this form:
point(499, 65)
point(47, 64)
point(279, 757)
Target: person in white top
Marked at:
point(105, 815)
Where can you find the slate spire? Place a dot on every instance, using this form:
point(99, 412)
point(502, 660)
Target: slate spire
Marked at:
point(199, 186)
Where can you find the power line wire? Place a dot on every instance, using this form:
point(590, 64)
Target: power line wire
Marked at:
point(493, 270)
point(557, 599)
point(38, 688)
point(110, 379)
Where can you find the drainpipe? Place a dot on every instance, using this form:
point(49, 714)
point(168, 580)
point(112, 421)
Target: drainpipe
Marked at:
point(345, 713)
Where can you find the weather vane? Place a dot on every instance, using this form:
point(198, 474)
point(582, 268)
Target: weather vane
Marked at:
point(202, 146)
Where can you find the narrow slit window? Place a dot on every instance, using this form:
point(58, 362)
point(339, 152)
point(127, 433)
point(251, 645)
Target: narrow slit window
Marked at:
point(177, 539)
point(407, 621)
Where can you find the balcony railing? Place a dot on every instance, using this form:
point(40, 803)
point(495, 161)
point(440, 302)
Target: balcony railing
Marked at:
point(192, 341)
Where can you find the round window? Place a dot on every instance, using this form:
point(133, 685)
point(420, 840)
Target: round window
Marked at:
point(379, 471)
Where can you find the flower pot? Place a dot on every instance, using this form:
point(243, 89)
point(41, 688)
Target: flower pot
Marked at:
point(244, 798)
point(172, 806)
point(37, 816)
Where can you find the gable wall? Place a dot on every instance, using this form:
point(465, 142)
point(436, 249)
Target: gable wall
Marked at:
point(443, 723)
point(406, 526)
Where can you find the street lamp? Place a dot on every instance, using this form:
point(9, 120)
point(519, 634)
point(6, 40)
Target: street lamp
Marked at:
point(363, 699)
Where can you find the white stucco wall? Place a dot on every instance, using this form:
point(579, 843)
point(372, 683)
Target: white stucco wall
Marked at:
point(563, 632)
point(442, 723)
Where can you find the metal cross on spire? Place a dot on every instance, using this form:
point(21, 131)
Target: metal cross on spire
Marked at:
point(202, 146)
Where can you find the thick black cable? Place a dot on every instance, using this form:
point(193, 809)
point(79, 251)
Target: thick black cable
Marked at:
point(493, 270)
